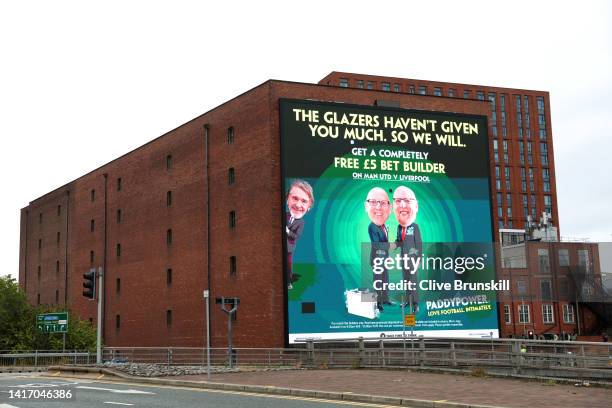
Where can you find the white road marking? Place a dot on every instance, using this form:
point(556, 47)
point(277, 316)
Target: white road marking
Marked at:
point(115, 390)
point(7, 406)
point(117, 403)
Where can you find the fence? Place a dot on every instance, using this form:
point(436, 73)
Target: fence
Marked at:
point(545, 358)
point(515, 356)
point(43, 358)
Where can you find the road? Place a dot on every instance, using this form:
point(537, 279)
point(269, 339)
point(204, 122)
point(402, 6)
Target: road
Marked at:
point(109, 394)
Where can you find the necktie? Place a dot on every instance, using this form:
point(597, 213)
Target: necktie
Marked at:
point(404, 233)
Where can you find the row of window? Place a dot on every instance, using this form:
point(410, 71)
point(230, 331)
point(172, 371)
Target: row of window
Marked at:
point(548, 314)
point(56, 297)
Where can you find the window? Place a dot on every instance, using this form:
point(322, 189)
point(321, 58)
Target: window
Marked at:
point(169, 277)
point(231, 176)
point(437, 91)
point(344, 83)
point(370, 85)
point(56, 296)
point(411, 89)
point(59, 210)
point(38, 272)
point(563, 257)
point(232, 265)
point(92, 225)
point(169, 318)
point(38, 299)
point(119, 215)
point(548, 204)
point(230, 135)
point(568, 313)
point(91, 257)
point(583, 261)
point(119, 184)
point(544, 263)
point(540, 103)
point(118, 250)
point(39, 243)
point(542, 133)
point(232, 219)
point(423, 90)
point(545, 290)
point(118, 288)
point(93, 195)
point(169, 236)
point(524, 314)
point(480, 95)
point(385, 86)
point(547, 314)
point(360, 83)
point(58, 237)
point(40, 218)
point(396, 87)
point(169, 199)
point(452, 92)
point(507, 314)
point(466, 94)
point(169, 162)
point(521, 287)
point(117, 322)
point(57, 266)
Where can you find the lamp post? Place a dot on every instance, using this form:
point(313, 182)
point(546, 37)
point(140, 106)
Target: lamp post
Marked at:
point(207, 300)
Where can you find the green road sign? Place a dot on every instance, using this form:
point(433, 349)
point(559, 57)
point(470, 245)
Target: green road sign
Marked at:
point(52, 322)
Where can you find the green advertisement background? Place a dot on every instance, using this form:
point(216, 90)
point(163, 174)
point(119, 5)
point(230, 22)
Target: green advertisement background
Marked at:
point(331, 255)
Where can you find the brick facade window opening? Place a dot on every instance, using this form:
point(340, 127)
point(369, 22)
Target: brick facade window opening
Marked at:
point(232, 220)
point(232, 268)
point(230, 135)
point(169, 277)
point(169, 199)
point(169, 162)
point(119, 184)
point(231, 176)
point(169, 237)
point(93, 195)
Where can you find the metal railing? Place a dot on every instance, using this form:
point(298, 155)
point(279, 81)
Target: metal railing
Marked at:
point(43, 358)
point(552, 359)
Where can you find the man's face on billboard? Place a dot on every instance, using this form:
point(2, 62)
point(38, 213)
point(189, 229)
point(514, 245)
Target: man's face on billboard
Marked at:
point(298, 202)
point(377, 206)
point(405, 206)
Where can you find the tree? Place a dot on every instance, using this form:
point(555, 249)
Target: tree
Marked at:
point(18, 324)
point(16, 316)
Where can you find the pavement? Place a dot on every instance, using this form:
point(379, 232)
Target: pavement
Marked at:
point(401, 387)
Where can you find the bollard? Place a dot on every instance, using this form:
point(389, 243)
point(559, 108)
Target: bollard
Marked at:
point(381, 353)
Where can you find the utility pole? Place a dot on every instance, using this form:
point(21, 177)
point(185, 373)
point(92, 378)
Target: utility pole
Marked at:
point(233, 303)
point(100, 319)
point(207, 300)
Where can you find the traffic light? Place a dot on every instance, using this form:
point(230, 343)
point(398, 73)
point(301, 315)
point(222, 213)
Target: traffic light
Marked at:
point(90, 284)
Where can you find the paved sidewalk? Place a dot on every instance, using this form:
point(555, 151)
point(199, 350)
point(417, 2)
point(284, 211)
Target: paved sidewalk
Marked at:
point(464, 389)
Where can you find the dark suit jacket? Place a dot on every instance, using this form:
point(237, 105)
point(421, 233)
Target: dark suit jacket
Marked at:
point(295, 230)
point(412, 245)
point(380, 241)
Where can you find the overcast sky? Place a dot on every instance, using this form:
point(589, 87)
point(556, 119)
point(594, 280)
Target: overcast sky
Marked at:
point(83, 82)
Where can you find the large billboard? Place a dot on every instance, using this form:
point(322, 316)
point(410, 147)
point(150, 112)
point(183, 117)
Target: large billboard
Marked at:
point(387, 213)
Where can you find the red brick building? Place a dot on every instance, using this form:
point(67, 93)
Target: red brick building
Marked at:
point(199, 208)
point(556, 290)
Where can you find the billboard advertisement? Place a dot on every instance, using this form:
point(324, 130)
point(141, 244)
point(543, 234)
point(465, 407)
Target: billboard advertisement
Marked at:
point(387, 222)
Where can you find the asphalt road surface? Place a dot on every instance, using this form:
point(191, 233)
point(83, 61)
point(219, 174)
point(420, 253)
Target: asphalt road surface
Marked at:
point(28, 389)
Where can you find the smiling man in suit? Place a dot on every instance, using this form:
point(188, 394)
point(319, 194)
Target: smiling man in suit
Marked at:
point(378, 208)
point(300, 199)
point(408, 237)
